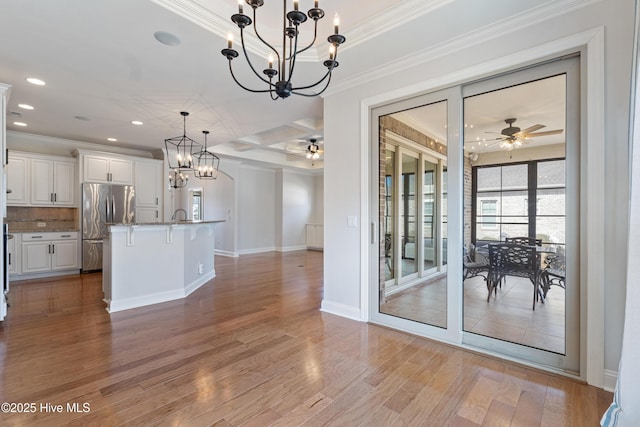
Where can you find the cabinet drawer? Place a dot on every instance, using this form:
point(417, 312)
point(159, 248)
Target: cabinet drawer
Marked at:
point(68, 235)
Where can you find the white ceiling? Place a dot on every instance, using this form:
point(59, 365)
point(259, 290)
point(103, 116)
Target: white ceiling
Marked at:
point(104, 68)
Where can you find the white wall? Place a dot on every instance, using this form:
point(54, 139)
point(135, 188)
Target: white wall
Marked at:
point(256, 209)
point(466, 49)
point(298, 196)
point(318, 203)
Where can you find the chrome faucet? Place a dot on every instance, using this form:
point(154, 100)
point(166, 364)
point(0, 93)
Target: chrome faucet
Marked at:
point(175, 214)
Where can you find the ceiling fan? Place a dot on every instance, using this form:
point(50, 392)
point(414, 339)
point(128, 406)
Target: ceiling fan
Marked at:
point(512, 136)
point(308, 147)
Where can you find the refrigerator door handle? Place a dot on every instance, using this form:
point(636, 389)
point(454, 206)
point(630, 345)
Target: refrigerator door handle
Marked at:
point(113, 208)
point(108, 210)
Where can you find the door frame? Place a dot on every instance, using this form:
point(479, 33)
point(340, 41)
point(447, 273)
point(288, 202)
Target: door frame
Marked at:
point(590, 44)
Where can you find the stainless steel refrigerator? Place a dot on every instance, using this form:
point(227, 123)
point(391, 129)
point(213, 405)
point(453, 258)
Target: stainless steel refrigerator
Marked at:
point(103, 204)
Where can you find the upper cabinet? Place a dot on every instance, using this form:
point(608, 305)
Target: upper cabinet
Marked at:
point(52, 182)
point(35, 180)
point(109, 169)
point(148, 183)
point(17, 180)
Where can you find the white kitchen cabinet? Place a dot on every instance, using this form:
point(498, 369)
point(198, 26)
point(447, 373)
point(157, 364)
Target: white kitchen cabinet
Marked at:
point(52, 182)
point(13, 256)
point(115, 170)
point(43, 252)
point(64, 254)
point(147, 215)
point(148, 184)
point(17, 180)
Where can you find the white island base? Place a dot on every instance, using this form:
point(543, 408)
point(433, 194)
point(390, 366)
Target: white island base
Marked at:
point(154, 263)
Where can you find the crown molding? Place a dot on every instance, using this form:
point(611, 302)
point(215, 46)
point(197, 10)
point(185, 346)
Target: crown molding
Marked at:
point(389, 19)
point(484, 34)
point(194, 11)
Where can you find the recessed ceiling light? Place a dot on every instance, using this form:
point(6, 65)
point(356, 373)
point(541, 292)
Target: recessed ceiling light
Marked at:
point(25, 106)
point(136, 122)
point(19, 123)
point(112, 139)
point(35, 81)
point(166, 38)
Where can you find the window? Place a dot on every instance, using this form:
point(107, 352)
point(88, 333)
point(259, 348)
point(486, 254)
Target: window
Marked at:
point(526, 199)
point(488, 214)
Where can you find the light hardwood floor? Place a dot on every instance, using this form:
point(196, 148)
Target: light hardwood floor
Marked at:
point(251, 348)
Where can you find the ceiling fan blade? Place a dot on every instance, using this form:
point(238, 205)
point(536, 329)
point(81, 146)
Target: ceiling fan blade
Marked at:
point(530, 129)
point(549, 132)
point(480, 141)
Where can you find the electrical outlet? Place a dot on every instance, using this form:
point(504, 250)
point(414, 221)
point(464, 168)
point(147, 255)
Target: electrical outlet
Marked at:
point(200, 268)
point(42, 224)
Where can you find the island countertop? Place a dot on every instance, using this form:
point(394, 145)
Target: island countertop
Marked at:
point(134, 224)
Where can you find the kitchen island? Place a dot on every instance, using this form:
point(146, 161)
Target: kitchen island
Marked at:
point(146, 264)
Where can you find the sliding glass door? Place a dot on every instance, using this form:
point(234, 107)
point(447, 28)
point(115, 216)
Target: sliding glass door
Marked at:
point(412, 283)
point(478, 165)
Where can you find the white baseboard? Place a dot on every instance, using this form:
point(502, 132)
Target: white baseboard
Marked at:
point(28, 276)
point(292, 248)
point(188, 289)
point(341, 310)
point(229, 254)
point(610, 380)
point(255, 251)
point(157, 298)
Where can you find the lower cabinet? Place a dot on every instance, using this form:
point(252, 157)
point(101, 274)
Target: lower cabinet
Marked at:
point(42, 252)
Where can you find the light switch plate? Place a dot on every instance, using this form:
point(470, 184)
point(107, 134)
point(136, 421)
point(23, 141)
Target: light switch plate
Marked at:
point(42, 224)
point(352, 221)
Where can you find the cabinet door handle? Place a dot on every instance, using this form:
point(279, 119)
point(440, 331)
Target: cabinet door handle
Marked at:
point(36, 237)
point(65, 235)
point(51, 197)
point(156, 201)
point(49, 249)
point(9, 258)
point(156, 214)
point(55, 197)
point(53, 249)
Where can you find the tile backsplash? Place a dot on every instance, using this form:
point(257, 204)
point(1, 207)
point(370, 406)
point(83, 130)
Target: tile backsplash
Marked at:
point(21, 219)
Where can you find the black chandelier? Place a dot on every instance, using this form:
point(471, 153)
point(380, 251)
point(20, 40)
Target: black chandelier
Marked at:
point(179, 148)
point(286, 60)
point(177, 179)
point(207, 162)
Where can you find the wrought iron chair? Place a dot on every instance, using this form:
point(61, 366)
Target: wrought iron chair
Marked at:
point(511, 259)
point(475, 263)
point(531, 241)
point(554, 272)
